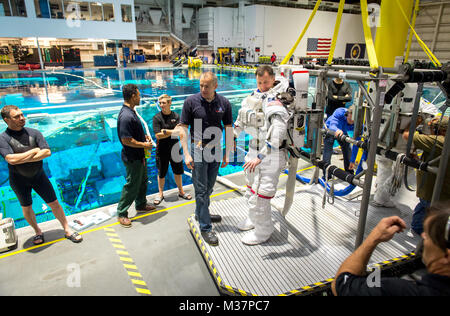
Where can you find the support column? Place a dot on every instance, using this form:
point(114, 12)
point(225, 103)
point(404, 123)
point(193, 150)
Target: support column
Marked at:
point(392, 32)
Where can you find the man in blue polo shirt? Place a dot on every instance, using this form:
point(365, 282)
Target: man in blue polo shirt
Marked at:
point(341, 122)
point(207, 113)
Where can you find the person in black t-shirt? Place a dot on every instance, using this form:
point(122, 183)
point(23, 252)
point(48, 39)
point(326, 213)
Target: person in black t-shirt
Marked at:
point(339, 93)
point(24, 149)
point(168, 149)
point(351, 280)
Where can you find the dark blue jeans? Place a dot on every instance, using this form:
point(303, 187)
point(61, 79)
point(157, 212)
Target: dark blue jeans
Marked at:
point(328, 151)
point(419, 215)
point(204, 177)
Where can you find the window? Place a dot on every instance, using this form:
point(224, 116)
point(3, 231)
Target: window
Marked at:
point(96, 11)
point(4, 8)
point(202, 38)
point(56, 9)
point(18, 8)
point(84, 11)
point(108, 12)
point(126, 13)
point(42, 8)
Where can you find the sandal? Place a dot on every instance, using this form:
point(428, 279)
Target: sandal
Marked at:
point(185, 196)
point(36, 238)
point(74, 237)
point(158, 200)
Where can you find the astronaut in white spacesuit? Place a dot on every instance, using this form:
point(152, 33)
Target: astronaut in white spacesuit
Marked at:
point(265, 118)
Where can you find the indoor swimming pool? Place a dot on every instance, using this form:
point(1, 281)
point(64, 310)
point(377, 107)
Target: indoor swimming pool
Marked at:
point(77, 113)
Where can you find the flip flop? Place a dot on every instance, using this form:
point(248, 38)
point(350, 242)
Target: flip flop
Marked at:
point(158, 200)
point(185, 196)
point(73, 237)
point(36, 238)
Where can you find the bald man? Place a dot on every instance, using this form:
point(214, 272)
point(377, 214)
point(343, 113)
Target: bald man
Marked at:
point(207, 114)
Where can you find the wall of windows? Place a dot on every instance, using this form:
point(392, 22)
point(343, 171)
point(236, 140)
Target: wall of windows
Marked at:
point(13, 8)
point(72, 9)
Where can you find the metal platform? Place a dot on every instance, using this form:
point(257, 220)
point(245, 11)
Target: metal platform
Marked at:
point(304, 252)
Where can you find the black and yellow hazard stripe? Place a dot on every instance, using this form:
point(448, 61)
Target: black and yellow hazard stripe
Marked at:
point(308, 289)
point(201, 244)
point(395, 261)
point(127, 262)
point(326, 284)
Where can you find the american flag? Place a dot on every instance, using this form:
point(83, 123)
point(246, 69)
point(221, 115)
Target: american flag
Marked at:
point(318, 47)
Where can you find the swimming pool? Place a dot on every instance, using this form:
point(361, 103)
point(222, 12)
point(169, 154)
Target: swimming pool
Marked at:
point(77, 113)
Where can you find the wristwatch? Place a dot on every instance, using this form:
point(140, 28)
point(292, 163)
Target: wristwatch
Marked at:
point(164, 131)
point(260, 156)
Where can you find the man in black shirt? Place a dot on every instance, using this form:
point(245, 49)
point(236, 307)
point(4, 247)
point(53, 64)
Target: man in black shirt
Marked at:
point(24, 149)
point(339, 93)
point(134, 141)
point(350, 279)
point(168, 149)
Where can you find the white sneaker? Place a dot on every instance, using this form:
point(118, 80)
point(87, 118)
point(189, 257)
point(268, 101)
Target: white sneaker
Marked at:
point(245, 225)
point(251, 239)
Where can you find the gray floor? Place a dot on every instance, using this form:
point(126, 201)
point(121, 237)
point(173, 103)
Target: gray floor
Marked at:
point(159, 245)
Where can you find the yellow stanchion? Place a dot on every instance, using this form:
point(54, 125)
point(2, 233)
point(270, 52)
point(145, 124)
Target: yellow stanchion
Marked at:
point(336, 31)
point(288, 56)
point(416, 11)
point(368, 36)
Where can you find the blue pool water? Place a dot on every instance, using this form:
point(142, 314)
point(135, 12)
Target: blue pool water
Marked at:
point(78, 119)
point(77, 113)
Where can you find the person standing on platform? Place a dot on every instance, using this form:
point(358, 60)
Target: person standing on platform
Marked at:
point(24, 149)
point(167, 148)
point(134, 141)
point(207, 114)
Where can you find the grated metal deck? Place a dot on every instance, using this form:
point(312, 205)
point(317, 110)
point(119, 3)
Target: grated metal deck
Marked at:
point(305, 250)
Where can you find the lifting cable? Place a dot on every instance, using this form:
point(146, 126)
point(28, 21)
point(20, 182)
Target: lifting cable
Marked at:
point(336, 31)
point(288, 56)
point(416, 11)
point(368, 36)
point(427, 51)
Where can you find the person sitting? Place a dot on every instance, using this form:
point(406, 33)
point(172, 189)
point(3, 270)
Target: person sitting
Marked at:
point(350, 279)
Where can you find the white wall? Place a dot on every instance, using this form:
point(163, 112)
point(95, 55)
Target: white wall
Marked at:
point(283, 26)
point(276, 29)
point(41, 27)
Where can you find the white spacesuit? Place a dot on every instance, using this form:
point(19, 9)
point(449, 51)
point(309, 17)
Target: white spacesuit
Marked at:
point(266, 119)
